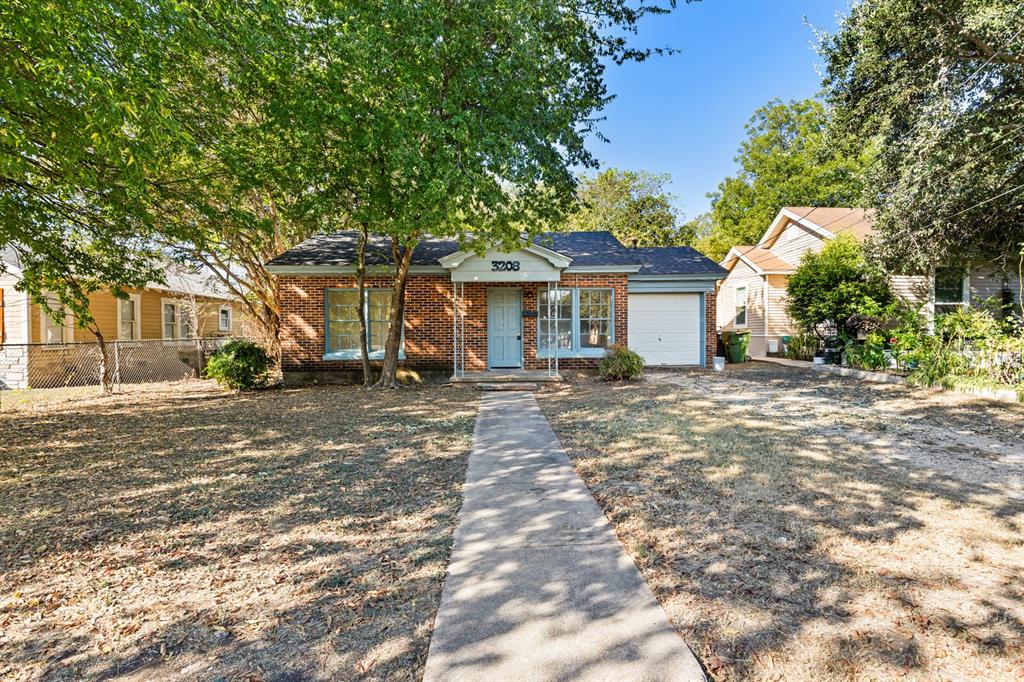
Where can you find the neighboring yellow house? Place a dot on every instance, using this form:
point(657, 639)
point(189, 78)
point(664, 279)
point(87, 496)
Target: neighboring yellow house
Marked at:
point(753, 295)
point(185, 308)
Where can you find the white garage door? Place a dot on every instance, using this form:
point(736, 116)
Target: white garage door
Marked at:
point(665, 328)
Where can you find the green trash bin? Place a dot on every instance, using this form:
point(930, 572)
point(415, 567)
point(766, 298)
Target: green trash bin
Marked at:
point(737, 344)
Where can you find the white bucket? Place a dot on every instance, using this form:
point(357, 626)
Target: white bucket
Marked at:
point(718, 363)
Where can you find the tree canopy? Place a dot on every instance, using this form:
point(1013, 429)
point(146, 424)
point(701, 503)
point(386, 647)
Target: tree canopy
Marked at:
point(938, 89)
point(787, 159)
point(836, 288)
point(635, 206)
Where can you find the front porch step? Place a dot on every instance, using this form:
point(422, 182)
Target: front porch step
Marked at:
point(507, 386)
point(492, 377)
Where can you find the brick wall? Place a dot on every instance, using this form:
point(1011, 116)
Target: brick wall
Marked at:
point(710, 326)
point(428, 320)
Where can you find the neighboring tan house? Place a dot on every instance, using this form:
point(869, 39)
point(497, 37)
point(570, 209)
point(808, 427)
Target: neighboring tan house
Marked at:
point(559, 301)
point(185, 308)
point(753, 294)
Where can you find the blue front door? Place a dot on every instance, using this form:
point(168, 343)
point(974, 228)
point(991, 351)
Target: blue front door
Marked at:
point(504, 328)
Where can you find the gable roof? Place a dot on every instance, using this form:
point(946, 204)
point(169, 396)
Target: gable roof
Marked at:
point(584, 249)
point(11, 261)
point(763, 261)
point(825, 221)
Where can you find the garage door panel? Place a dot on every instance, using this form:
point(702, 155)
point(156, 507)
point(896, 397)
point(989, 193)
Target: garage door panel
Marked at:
point(665, 328)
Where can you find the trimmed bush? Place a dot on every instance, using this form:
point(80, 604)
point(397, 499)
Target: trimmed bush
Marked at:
point(620, 363)
point(240, 365)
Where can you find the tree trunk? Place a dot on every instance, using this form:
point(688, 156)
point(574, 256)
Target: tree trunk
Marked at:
point(402, 256)
point(364, 344)
point(106, 378)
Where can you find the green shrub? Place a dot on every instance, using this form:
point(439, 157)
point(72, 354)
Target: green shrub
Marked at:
point(868, 354)
point(802, 346)
point(620, 362)
point(240, 365)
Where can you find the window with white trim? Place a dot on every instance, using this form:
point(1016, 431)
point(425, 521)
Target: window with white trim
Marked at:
point(951, 290)
point(176, 320)
point(170, 319)
point(224, 318)
point(341, 307)
point(51, 332)
point(741, 306)
point(129, 327)
point(575, 321)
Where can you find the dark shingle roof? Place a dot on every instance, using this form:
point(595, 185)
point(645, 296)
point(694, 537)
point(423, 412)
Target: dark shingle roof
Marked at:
point(340, 248)
point(584, 248)
point(677, 260)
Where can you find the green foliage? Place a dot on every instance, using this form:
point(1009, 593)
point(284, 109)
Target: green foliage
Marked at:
point(802, 346)
point(787, 159)
point(620, 363)
point(867, 354)
point(635, 206)
point(240, 365)
point(936, 88)
point(968, 346)
point(837, 288)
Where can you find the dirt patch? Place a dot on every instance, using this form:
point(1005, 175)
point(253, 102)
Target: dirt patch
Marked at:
point(800, 527)
point(178, 532)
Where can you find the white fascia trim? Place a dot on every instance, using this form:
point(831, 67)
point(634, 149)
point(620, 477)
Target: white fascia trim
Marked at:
point(628, 269)
point(799, 220)
point(454, 260)
point(752, 264)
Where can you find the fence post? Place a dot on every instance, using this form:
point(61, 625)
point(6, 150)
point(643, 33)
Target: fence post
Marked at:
point(200, 358)
point(117, 363)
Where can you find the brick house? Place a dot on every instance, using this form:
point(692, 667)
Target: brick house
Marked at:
point(556, 302)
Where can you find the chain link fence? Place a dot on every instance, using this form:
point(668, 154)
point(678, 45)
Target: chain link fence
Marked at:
point(66, 365)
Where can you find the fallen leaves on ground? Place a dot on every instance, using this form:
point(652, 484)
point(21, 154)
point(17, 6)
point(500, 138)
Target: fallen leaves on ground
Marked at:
point(179, 532)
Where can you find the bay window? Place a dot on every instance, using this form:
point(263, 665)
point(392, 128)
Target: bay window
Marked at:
point(578, 322)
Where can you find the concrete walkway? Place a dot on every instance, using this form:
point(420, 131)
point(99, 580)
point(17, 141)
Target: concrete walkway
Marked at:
point(539, 587)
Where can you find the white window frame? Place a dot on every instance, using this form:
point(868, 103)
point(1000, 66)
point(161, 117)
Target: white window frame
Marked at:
point(357, 353)
point(67, 329)
point(178, 318)
point(136, 301)
point(965, 292)
point(736, 307)
point(220, 320)
point(576, 349)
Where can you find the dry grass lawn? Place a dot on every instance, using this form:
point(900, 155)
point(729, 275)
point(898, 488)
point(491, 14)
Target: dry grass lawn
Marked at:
point(797, 527)
point(179, 532)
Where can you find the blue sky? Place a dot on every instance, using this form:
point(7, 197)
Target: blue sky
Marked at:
point(684, 114)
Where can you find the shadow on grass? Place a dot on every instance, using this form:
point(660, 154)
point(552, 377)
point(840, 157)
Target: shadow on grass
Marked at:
point(782, 540)
point(189, 533)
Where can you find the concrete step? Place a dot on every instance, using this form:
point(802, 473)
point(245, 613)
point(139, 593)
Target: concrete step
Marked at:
point(507, 386)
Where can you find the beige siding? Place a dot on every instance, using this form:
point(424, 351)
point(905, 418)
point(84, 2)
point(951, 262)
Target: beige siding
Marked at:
point(14, 324)
point(914, 289)
point(794, 242)
point(742, 275)
point(779, 323)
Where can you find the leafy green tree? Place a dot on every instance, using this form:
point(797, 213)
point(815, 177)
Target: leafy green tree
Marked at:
point(635, 206)
point(460, 119)
point(787, 159)
point(836, 289)
point(938, 89)
point(89, 122)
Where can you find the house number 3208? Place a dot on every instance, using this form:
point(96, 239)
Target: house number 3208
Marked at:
point(504, 266)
